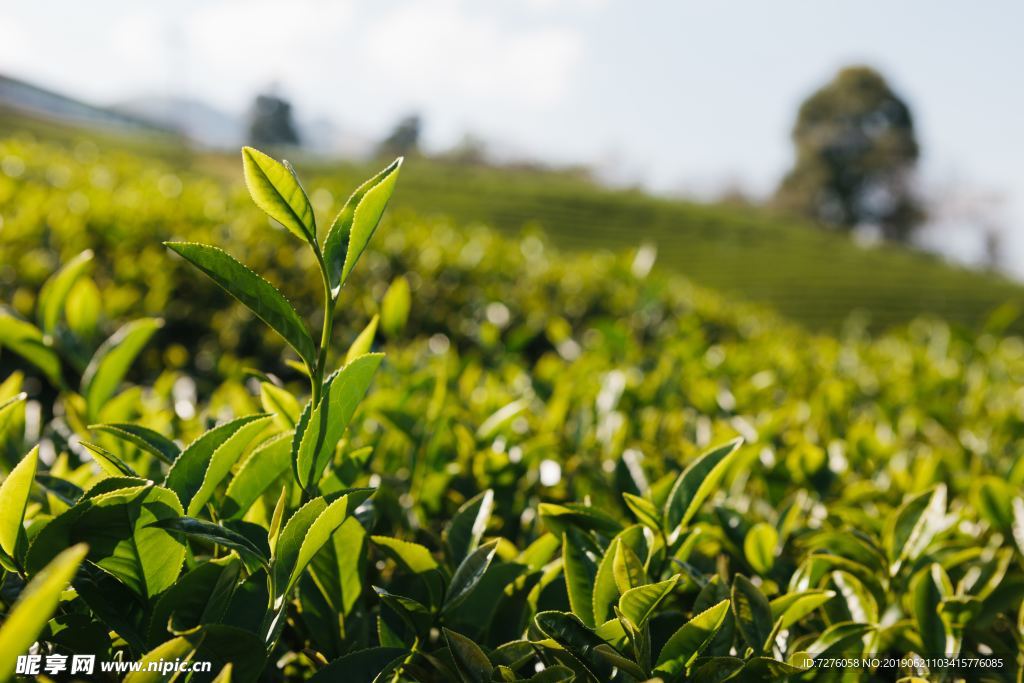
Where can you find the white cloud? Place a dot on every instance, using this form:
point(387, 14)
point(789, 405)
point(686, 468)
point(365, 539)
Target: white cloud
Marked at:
point(441, 48)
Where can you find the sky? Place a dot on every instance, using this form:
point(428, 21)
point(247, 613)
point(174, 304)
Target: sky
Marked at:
point(680, 96)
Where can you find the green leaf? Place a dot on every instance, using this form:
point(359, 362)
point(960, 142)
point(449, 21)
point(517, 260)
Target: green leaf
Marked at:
point(258, 295)
point(35, 606)
point(606, 593)
point(837, 639)
point(568, 631)
point(8, 407)
point(112, 359)
point(471, 663)
point(687, 643)
point(152, 442)
point(26, 340)
point(860, 603)
point(412, 557)
point(208, 459)
point(83, 308)
point(200, 596)
point(275, 189)
point(179, 648)
point(1017, 527)
point(213, 533)
point(281, 404)
point(339, 568)
point(468, 525)
point(696, 483)
point(14, 493)
point(927, 589)
point(267, 462)
point(580, 570)
point(394, 307)
point(468, 574)
point(355, 224)
point(638, 604)
point(343, 391)
point(364, 342)
point(306, 532)
point(362, 666)
point(644, 510)
point(117, 526)
point(792, 607)
point(759, 547)
point(752, 611)
point(108, 462)
point(55, 291)
point(627, 568)
point(914, 525)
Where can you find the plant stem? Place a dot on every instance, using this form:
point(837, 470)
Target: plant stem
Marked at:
point(317, 376)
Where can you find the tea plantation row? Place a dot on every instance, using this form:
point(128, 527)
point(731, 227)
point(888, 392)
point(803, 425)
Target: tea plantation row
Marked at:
point(566, 467)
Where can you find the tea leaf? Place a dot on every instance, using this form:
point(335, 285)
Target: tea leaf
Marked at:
point(468, 525)
point(759, 547)
point(355, 224)
point(696, 483)
point(342, 393)
point(35, 606)
point(118, 528)
point(267, 462)
point(148, 440)
point(276, 190)
point(111, 361)
point(686, 644)
point(207, 460)
point(258, 295)
point(752, 611)
point(470, 661)
point(468, 574)
point(55, 291)
point(108, 462)
point(363, 344)
point(26, 340)
point(14, 493)
point(638, 604)
point(394, 307)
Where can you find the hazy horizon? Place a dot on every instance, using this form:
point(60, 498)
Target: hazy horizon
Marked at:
point(682, 98)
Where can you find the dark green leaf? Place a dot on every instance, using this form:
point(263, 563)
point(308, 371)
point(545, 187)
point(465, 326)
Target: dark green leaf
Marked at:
point(470, 661)
point(213, 533)
point(257, 294)
point(148, 440)
point(468, 574)
point(752, 611)
point(468, 525)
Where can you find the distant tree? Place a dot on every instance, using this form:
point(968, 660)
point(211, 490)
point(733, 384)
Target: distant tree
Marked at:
point(270, 122)
point(471, 150)
point(404, 139)
point(855, 152)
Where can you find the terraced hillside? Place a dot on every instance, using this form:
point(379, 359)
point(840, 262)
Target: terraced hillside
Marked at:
point(812, 276)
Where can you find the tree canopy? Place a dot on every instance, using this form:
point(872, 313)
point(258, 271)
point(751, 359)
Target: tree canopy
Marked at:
point(855, 152)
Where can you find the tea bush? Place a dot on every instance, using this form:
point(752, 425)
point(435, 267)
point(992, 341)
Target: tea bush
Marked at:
point(568, 468)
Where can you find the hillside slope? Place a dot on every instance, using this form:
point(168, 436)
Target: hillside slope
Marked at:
point(812, 276)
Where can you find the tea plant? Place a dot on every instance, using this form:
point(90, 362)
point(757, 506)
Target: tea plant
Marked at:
point(874, 507)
